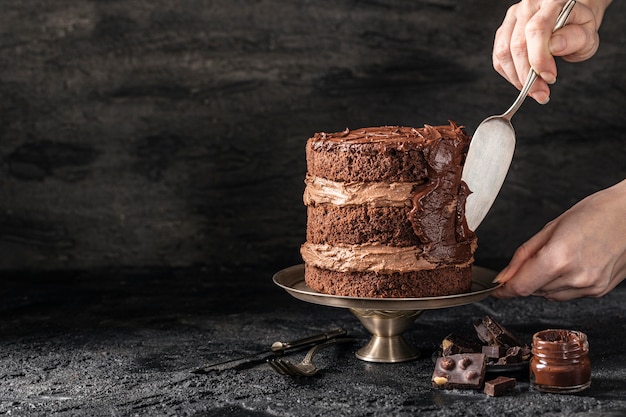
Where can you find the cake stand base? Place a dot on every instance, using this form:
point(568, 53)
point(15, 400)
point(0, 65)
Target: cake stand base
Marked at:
point(387, 327)
point(386, 318)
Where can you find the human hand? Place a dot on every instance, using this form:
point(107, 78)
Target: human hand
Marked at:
point(580, 254)
point(525, 40)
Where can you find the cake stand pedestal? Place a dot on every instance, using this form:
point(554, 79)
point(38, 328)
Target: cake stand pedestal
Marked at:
point(386, 318)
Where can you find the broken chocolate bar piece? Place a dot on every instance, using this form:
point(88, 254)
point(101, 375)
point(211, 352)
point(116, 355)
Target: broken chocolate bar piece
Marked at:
point(465, 371)
point(494, 334)
point(513, 355)
point(499, 386)
point(526, 352)
point(454, 344)
point(494, 352)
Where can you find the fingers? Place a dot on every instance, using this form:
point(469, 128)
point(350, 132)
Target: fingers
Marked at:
point(544, 267)
point(534, 279)
point(538, 32)
point(503, 60)
point(510, 52)
point(530, 277)
point(576, 283)
point(562, 289)
point(525, 40)
point(524, 253)
point(531, 267)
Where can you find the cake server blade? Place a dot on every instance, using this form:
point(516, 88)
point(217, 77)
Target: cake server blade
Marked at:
point(491, 149)
point(277, 348)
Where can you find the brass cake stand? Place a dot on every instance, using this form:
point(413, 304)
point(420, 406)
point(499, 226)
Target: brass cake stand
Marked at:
point(386, 318)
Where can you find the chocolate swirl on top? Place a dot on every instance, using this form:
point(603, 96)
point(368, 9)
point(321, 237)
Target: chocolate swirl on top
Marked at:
point(391, 136)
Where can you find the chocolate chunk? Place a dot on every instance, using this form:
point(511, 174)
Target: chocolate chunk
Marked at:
point(499, 386)
point(526, 352)
point(494, 352)
point(513, 355)
point(454, 344)
point(465, 370)
point(493, 333)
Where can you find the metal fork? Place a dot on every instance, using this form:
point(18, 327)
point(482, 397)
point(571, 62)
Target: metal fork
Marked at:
point(306, 366)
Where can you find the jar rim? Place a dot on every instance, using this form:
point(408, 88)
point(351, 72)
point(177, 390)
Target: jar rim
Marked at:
point(561, 339)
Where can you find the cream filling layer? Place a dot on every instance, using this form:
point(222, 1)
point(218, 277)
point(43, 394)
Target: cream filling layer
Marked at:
point(370, 257)
point(378, 194)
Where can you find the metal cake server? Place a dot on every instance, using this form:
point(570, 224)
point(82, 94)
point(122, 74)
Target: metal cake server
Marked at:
point(491, 149)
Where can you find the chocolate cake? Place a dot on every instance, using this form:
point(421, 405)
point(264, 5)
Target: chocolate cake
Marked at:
point(386, 212)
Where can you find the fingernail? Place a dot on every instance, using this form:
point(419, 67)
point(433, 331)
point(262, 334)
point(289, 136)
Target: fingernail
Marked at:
point(557, 44)
point(548, 77)
point(499, 277)
point(541, 97)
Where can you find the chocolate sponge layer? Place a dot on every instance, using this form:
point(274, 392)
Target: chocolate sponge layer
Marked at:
point(360, 224)
point(366, 162)
point(432, 283)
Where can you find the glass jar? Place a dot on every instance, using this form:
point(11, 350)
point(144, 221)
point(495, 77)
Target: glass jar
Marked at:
point(560, 362)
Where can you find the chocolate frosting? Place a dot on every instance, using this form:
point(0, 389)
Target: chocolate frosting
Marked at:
point(444, 233)
point(379, 194)
point(368, 257)
point(386, 137)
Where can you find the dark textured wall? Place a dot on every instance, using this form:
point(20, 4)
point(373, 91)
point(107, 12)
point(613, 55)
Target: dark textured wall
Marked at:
point(171, 133)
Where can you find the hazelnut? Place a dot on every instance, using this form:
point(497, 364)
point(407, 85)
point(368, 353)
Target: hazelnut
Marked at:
point(471, 375)
point(440, 380)
point(447, 363)
point(465, 363)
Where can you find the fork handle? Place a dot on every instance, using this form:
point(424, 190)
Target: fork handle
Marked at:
point(532, 75)
point(315, 349)
point(329, 335)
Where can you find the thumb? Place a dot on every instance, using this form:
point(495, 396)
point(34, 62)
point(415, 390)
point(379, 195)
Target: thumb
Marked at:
point(574, 43)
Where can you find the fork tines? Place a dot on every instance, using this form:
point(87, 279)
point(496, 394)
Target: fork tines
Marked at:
point(306, 366)
point(279, 366)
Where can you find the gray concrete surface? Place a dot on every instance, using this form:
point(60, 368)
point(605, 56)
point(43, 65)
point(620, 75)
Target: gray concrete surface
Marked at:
point(122, 343)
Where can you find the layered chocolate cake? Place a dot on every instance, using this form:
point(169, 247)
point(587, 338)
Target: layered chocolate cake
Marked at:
point(386, 212)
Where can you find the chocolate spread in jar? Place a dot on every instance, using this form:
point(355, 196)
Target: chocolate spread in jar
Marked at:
point(560, 361)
